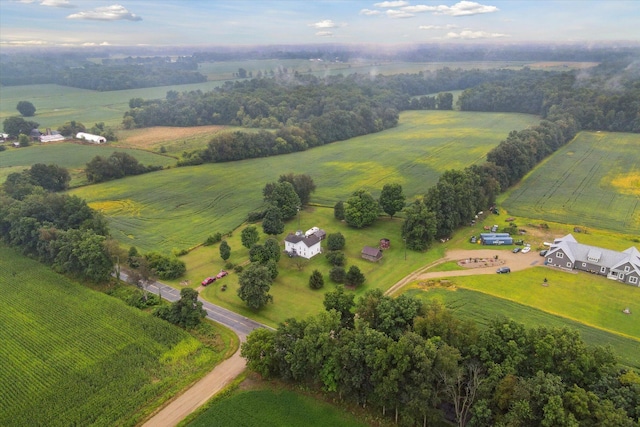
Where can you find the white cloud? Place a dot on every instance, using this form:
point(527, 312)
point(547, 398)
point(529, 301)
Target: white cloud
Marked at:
point(369, 12)
point(471, 35)
point(419, 8)
point(109, 13)
point(399, 14)
point(464, 8)
point(386, 4)
point(327, 23)
point(324, 34)
point(57, 3)
point(437, 27)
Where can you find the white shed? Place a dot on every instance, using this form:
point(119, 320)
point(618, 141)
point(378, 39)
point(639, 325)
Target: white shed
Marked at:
point(89, 137)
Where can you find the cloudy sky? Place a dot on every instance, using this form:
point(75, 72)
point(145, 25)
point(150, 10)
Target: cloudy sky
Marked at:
point(245, 22)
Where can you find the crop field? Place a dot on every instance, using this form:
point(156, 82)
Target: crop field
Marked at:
point(482, 308)
point(173, 140)
point(266, 408)
point(180, 207)
point(71, 156)
point(594, 181)
point(74, 356)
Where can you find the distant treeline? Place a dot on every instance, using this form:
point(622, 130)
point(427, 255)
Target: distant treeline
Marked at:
point(121, 74)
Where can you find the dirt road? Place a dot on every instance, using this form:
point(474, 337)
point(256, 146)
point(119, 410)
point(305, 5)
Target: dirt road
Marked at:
point(516, 262)
point(199, 393)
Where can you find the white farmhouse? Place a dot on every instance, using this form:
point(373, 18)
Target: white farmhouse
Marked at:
point(300, 245)
point(89, 137)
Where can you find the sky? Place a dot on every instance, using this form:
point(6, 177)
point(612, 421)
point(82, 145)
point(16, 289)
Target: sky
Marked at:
point(264, 22)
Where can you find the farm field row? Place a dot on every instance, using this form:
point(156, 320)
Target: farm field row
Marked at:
point(71, 156)
point(179, 208)
point(483, 308)
point(74, 356)
point(592, 182)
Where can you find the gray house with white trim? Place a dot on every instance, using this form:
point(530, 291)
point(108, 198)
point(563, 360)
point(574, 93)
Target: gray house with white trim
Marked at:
point(624, 266)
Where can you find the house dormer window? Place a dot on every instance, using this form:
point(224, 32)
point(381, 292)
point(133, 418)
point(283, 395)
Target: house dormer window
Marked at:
point(627, 268)
point(559, 255)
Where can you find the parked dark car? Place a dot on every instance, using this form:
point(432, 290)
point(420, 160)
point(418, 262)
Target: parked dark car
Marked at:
point(543, 252)
point(503, 270)
point(516, 250)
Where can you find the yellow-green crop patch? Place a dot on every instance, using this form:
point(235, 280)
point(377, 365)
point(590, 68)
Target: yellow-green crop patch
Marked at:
point(74, 356)
point(180, 207)
point(594, 181)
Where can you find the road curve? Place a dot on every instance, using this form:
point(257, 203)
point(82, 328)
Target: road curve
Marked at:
point(200, 392)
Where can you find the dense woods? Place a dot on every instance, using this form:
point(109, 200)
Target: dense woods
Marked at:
point(419, 363)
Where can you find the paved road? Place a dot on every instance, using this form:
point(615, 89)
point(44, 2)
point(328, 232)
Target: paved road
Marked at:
point(239, 324)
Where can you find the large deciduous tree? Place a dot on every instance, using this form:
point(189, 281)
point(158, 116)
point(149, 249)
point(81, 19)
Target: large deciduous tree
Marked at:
point(302, 184)
point(392, 199)
point(187, 312)
point(255, 283)
point(15, 125)
point(420, 226)
point(272, 223)
point(50, 177)
point(284, 197)
point(343, 303)
point(26, 108)
point(361, 209)
point(249, 236)
point(335, 241)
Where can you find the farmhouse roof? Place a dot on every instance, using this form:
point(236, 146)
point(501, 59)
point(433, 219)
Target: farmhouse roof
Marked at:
point(308, 241)
point(603, 257)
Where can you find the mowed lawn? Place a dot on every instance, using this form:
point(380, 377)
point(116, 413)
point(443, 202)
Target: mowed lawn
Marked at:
point(483, 308)
point(180, 207)
point(594, 181)
point(589, 299)
point(74, 356)
point(71, 156)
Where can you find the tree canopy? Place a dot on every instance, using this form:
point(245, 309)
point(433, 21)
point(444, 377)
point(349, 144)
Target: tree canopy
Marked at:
point(26, 108)
point(255, 282)
point(361, 209)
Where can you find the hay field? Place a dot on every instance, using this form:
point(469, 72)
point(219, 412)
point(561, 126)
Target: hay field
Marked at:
point(592, 182)
point(180, 207)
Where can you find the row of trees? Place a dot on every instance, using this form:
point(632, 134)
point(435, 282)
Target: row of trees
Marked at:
point(422, 363)
point(112, 74)
point(51, 178)
point(117, 165)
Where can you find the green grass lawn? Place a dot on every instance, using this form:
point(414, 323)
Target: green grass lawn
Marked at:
point(179, 208)
point(589, 299)
point(74, 356)
point(592, 182)
point(71, 156)
point(291, 293)
point(482, 308)
point(270, 407)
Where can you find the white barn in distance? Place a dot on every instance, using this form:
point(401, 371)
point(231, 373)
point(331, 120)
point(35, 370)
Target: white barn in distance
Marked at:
point(89, 137)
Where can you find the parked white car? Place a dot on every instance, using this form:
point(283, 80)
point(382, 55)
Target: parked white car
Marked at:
point(526, 249)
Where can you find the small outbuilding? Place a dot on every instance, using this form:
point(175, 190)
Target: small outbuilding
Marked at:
point(371, 254)
point(89, 137)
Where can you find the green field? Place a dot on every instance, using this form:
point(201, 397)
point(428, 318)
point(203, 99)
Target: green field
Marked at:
point(592, 182)
point(71, 156)
point(179, 208)
point(482, 308)
point(74, 356)
point(291, 293)
point(266, 408)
